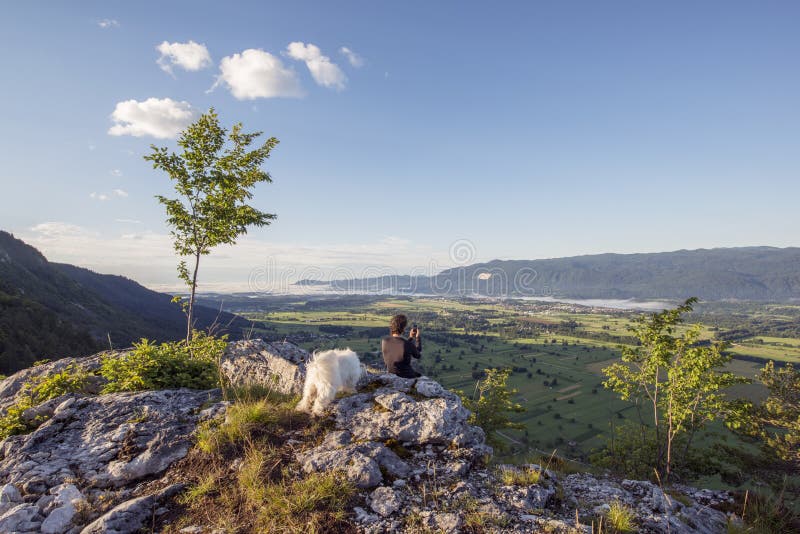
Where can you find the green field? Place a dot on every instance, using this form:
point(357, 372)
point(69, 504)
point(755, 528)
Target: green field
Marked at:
point(557, 353)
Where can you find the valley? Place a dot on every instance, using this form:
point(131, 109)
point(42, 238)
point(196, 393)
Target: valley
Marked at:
point(556, 350)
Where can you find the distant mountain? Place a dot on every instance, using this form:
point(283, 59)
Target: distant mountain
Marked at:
point(745, 273)
point(50, 310)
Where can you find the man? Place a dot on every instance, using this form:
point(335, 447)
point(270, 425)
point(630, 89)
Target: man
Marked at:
point(398, 351)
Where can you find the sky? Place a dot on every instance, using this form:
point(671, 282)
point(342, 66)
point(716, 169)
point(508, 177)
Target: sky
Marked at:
point(414, 136)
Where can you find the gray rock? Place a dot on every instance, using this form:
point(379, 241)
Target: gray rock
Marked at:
point(102, 442)
point(17, 517)
point(654, 511)
point(444, 522)
point(361, 463)
point(66, 499)
point(362, 516)
point(10, 494)
point(384, 501)
point(388, 413)
point(526, 498)
point(429, 388)
point(277, 365)
point(132, 515)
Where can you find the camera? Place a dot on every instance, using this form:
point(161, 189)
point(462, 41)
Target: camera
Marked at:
point(413, 326)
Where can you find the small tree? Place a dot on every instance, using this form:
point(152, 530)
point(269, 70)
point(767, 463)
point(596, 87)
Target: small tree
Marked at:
point(777, 419)
point(214, 176)
point(678, 377)
point(493, 404)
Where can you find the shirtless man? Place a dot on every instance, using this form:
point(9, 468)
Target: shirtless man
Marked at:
point(398, 351)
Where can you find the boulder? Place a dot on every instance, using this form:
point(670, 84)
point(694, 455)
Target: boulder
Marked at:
point(392, 418)
point(20, 518)
point(277, 365)
point(62, 508)
point(132, 515)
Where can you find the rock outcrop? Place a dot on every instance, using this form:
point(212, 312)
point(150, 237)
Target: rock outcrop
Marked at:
point(102, 463)
point(399, 428)
point(279, 365)
point(92, 450)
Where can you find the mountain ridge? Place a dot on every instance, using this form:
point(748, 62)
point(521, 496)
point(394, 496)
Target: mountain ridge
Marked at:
point(759, 273)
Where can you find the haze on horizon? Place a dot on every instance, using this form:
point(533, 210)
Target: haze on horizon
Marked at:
point(408, 132)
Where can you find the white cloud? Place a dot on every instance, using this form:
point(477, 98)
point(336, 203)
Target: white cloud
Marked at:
point(323, 71)
point(115, 172)
point(98, 196)
point(158, 117)
point(128, 221)
point(108, 23)
point(355, 59)
point(258, 74)
point(188, 56)
point(120, 193)
point(56, 229)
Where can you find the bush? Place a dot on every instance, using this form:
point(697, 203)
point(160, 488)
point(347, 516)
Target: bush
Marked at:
point(168, 365)
point(491, 409)
point(39, 389)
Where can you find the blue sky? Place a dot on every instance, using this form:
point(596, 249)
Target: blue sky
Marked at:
point(515, 129)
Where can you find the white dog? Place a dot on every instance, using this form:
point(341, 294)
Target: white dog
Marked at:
point(327, 374)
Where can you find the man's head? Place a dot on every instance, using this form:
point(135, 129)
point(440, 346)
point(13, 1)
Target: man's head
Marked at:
point(398, 324)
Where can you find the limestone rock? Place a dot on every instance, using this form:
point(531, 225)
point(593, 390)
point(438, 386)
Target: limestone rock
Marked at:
point(392, 412)
point(66, 499)
point(444, 522)
point(384, 501)
point(19, 518)
point(101, 440)
point(389, 413)
point(361, 463)
point(278, 365)
point(9, 494)
point(132, 515)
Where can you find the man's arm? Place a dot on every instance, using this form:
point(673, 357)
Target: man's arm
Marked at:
point(412, 349)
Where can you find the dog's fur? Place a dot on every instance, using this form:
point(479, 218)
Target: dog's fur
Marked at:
point(327, 374)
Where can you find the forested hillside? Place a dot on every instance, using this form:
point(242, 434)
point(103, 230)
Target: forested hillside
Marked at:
point(50, 310)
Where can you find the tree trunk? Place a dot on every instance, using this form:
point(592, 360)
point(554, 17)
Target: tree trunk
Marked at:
point(670, 435)
point(190, 313)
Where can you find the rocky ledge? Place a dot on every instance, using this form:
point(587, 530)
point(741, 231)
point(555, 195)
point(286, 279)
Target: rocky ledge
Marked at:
point(101, 463)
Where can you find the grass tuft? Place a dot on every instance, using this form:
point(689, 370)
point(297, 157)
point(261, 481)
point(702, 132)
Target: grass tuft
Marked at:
point(515, 476)
point(620, 518)
point(242, 419)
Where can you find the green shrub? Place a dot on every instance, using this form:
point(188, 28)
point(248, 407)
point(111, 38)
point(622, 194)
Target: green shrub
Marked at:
point(165, 366)
point(71, 379)
point(39, 389)
point(491, 409)
point(12, 422)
